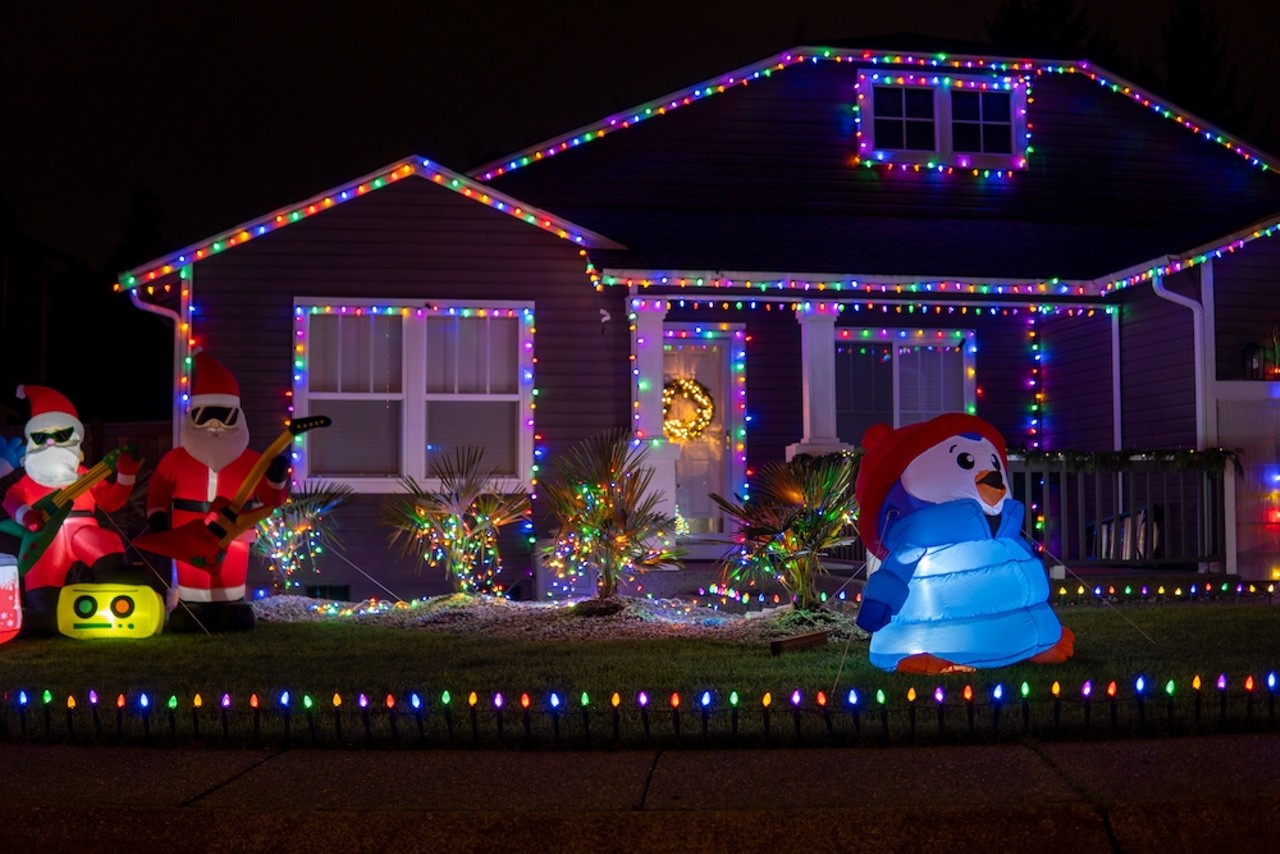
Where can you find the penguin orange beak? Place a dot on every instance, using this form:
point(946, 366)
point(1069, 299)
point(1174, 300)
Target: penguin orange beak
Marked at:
point(991, 487)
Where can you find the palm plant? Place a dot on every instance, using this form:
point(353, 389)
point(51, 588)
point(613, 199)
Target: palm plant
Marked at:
point(609, 520)
point(300, 530)
point(456, 527)
point(798, 510)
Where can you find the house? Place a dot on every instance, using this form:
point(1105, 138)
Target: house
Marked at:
point(779, 257)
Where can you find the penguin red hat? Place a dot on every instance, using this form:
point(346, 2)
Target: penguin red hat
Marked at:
point(212, 384)
point(888, 452)
point(50, 410)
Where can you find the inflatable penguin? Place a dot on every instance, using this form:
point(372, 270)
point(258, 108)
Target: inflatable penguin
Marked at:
point(959, 586)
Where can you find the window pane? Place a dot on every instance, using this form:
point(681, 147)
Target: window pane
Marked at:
point(363, 441)
point(995, 107)
point(997, 139)
point(441, 354)
point(864, 389)
point(385, 345)
point(919, 136)
point(889, 134)
point(504, 355)
point(888, 101)
point(323, 352)
point(964, 107)
point(472, 355)
point(919, 103)
point(930, 382)
point(355, 368)
point(966, 137)
point(491, 426)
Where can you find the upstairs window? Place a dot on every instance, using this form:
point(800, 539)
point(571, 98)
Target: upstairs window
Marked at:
point(904, 118)
point(942, 122)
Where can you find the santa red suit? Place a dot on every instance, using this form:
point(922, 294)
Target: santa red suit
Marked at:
point(212, 462)
point(54, 435)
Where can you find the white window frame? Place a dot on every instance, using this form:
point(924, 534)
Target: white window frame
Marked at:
point(943, 153)
point(413, 395)
point(898, 339)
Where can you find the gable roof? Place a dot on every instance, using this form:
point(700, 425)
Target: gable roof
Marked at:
point(897, 57)
point(410, 167)
point(831, 226)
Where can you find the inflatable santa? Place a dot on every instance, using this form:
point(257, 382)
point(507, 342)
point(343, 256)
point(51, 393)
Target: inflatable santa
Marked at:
point(212, 461)
point(959, 586)
point(79, 550)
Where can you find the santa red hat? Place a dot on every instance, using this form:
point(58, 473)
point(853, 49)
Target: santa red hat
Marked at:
point(212, 384)
point(50, 410)
point(888, 452)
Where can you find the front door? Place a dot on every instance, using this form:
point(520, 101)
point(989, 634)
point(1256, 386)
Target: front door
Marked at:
point(704, 387)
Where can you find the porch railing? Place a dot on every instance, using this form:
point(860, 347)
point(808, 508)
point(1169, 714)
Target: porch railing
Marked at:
point(1145, 513)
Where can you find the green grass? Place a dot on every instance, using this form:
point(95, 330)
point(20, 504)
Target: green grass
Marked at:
point(1159, 641)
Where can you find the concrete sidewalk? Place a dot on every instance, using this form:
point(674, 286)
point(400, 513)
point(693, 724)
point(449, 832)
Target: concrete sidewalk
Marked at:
point(1216, 793)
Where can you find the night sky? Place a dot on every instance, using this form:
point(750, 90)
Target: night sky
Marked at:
point(224, 111)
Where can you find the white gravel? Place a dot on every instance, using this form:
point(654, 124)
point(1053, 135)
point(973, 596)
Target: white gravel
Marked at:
point(495, 617)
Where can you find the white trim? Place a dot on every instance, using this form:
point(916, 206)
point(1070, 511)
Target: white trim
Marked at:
point(1117, 398)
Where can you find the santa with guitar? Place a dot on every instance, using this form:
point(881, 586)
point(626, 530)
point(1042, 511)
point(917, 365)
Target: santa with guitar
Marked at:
point(78, 549)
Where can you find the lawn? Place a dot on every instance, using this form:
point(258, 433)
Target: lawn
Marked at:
point(1160, 642)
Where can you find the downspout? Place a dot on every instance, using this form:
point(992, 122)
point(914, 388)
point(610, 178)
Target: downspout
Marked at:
point(177, 348)
point(1197, 330)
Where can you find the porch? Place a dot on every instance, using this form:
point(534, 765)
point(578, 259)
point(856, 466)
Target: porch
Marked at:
point(1119, 513)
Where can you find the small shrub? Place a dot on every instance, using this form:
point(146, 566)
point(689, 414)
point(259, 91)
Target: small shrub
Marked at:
point(609, 519)
point(797, 511)
point(456, 527)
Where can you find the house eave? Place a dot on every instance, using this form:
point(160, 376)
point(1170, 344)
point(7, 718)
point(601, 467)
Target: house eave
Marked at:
point(848, 287)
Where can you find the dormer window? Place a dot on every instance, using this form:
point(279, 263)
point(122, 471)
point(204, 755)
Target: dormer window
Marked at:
point(942, 122)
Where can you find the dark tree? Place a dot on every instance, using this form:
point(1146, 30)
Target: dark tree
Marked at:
point(1050, 29)
point(1199, 75)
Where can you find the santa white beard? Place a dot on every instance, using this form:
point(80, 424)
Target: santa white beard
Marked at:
point(53, 466)
point(215, 448)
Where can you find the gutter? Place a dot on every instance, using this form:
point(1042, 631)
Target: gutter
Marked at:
point(172, 315)
point(1197, 329)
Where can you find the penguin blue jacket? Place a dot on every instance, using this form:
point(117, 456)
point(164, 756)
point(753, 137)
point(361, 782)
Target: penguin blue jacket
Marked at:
point(952, 587)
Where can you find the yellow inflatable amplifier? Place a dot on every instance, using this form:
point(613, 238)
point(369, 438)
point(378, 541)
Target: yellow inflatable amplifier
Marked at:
point(109, 611)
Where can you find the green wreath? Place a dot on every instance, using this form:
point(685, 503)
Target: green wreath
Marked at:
point(680, 430)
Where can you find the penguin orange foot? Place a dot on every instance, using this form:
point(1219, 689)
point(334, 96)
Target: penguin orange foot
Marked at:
point(930, 665)
point(1060, 651)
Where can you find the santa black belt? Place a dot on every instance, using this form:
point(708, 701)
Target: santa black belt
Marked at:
point(189, 506)
point(75, 514)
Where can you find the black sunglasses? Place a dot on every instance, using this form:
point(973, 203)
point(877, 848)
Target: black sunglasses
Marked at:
point(227, 415)
point(40, 437)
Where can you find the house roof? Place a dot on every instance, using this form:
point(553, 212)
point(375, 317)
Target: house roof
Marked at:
point(823, 223)
point(410, 167)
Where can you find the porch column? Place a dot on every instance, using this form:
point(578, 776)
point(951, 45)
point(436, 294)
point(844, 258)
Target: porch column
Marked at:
point(818, 381)
point(647, 315)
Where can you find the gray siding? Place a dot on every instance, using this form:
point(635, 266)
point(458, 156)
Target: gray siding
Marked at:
point(1247, 303)
point(1158, 378)
point(1077, 382)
